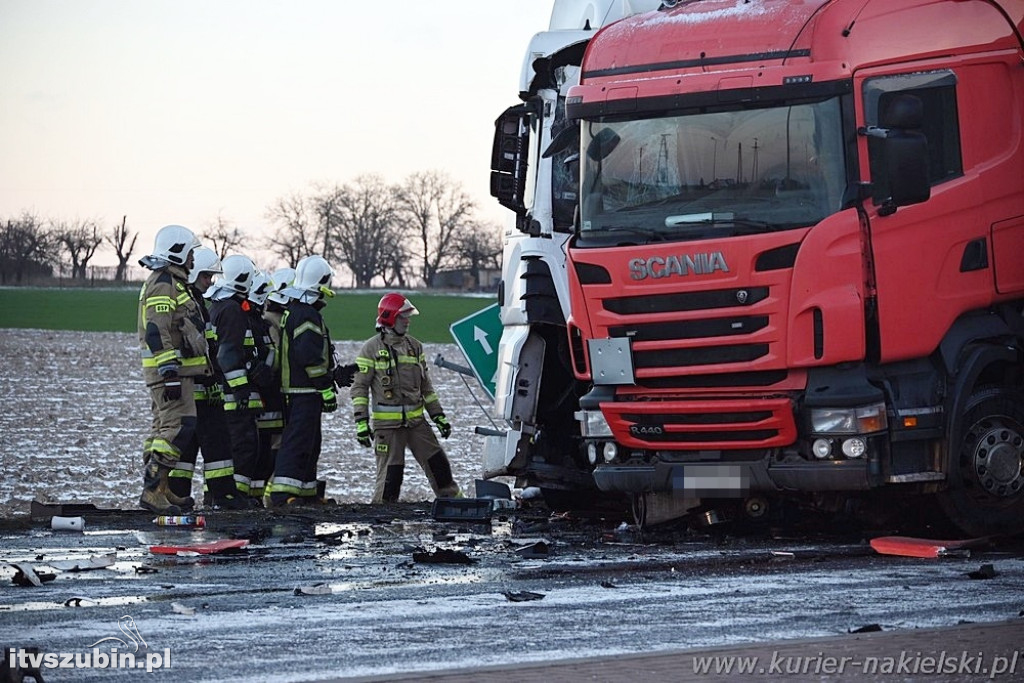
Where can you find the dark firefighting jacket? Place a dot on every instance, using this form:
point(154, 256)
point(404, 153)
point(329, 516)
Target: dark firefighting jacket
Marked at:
point(306, 362)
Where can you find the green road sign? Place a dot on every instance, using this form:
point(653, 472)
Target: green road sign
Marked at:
point(478, 336)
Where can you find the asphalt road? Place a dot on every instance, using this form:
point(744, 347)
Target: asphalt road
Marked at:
point(366, 591)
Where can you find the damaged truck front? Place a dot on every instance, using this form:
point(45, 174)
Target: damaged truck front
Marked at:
point(796, 263)
point(536, 395)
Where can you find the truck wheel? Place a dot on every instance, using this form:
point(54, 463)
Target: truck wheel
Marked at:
point(985, 492)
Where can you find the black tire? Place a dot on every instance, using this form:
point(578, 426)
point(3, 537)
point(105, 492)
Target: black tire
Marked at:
point(985, 494)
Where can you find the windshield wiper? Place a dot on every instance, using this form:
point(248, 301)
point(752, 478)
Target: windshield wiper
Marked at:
point(721, 219)
point(650, 233)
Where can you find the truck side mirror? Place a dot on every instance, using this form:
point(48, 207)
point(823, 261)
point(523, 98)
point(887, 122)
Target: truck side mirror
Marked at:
point(509, 158)
point(905, 151)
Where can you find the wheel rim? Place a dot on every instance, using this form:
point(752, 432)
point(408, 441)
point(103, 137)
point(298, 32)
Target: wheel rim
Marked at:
point(996, 460)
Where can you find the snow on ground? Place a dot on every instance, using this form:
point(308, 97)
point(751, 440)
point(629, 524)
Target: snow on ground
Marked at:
point(75, 413)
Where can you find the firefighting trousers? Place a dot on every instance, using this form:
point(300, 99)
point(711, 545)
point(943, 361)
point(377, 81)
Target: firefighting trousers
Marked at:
point(174, 424)
point(212, 439)
point(270, 425)
point(244, 446)
point(389, 447)
point(296, 462)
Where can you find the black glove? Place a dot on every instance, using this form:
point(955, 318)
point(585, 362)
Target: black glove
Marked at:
point(330, 400)
point(260, 375)
point(241, 394)
point(344, 375)
point(443, 425)
point(172, 388)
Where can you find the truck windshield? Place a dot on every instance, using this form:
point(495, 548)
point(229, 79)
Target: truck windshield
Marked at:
point(695, 176)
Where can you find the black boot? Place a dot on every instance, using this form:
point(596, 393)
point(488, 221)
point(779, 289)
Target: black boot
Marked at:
point(443, 480)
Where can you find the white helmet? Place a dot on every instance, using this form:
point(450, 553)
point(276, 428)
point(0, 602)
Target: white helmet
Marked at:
point(313, 276)
point(281, 279)
point(173, 244)
point(204, 260)
point(237, 274)
point(260, 288)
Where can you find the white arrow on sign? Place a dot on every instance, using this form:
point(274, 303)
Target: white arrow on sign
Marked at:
point(481, 336)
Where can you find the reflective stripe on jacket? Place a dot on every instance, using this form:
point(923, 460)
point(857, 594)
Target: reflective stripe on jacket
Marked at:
point(171, 326)
point(393, 370)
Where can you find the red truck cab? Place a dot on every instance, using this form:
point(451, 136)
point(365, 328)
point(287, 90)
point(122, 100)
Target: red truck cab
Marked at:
point(798, 259)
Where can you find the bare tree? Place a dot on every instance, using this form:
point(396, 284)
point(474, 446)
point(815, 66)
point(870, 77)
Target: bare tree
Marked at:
point(478, 246)
point(437, 208)
point(79, 240)
point(223, 236)
point(25, 248)
point(366, 233)
point(298, 233)
point(118, 238)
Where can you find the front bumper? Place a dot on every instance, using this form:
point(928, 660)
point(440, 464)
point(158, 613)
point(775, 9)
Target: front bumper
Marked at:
point(724, 479)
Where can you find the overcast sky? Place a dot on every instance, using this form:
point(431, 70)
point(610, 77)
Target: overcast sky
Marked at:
point(177, 111)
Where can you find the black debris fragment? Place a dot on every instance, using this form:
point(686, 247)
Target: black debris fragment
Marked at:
point(986, 571)
point(608, 584)
point(870, 628)
point(145, 569)
point(538, 549)
point(443, 556)
point(522, 596)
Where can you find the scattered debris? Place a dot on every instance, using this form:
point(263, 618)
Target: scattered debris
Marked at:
point(608, 584)
point(522, 596)
point(314, 589)
point(462, 509)
point(67, 523)
point(145, 569)
point(26, 575)
point(208, 548)
point(870, 628)
point(986, 571)
point(443, 556)
point(179, 608)
point(94, 562)
point(78, 602)
point(538, 549)
point(907, 546)
point(783, 555)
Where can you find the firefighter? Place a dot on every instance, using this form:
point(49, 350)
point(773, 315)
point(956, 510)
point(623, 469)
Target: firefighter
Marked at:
point(174, 353)
point(237, 356)
point(307, 382)
point(211, 434)
point(393, 389)
point(270, 420)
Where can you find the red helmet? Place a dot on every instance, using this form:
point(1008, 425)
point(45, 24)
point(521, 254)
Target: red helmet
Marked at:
point(391, 306)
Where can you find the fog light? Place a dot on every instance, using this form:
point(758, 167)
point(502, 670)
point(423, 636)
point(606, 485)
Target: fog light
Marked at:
point(592, 454)
point(822, 448)
point(610, 451)
point(854, 448)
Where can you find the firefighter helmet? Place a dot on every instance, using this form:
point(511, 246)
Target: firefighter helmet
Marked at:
point(391, 306)
point(312, 281)
point(260, 288)
point(204, 260)
point(238, 274)
point(280, 279)
point(173, 244)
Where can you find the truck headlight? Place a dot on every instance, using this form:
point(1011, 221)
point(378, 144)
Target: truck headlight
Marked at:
point(859, 420)
point(593, 424)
